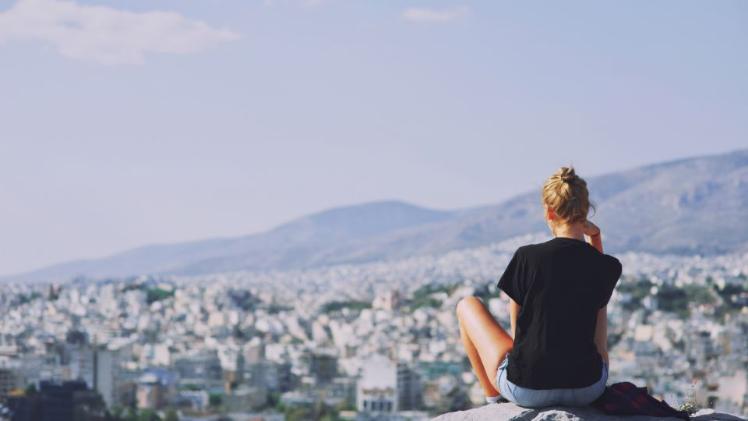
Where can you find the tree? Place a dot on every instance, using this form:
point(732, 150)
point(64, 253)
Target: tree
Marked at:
point(171, 415)
point(215, 399)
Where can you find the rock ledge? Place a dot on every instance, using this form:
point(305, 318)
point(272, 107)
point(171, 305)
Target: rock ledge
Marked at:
point(510, 411)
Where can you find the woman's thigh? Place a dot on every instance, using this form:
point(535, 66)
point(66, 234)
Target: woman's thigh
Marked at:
point(491, 341)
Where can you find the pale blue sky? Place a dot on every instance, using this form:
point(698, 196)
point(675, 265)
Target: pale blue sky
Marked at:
point(151, 128)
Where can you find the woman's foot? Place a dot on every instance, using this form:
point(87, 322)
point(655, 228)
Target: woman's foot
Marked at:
point(495, 399)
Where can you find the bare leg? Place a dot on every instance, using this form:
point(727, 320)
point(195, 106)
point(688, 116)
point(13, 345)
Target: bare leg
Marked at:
point(489, 389)
point(486, 342)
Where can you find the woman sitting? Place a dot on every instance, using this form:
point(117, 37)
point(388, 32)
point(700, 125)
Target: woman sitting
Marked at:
point(558, 292)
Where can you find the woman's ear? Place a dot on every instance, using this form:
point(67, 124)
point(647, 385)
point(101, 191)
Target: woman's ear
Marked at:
point(549, 214)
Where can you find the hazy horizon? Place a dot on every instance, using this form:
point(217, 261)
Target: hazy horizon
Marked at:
point(223, 122)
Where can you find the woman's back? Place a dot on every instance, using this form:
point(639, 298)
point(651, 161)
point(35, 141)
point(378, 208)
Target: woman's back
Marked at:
point(560, 285)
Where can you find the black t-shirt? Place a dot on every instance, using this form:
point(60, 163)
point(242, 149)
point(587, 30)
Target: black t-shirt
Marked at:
point(560, 285)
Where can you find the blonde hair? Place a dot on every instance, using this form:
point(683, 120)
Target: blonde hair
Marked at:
point(566, 193)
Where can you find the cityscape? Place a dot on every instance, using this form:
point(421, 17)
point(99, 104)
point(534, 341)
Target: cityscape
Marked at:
point(270, 210)
point(348, 342)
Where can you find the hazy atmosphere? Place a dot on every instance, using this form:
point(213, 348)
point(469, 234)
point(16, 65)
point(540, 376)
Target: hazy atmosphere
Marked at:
point(139, 122)
point(331, 210)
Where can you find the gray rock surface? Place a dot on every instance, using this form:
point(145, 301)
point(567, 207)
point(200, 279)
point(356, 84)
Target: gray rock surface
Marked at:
point(510, 411)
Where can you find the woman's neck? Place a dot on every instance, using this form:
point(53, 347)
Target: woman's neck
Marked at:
point(570, 231)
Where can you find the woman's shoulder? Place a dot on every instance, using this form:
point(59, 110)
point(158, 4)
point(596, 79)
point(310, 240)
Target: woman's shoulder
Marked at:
point(616, 267)
point(528, 251)
point(556, 244)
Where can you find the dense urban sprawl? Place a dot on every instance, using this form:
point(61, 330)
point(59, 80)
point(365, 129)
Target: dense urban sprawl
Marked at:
point(350, 341)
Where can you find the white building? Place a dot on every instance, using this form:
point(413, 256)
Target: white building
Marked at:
point(377, 389)
point(388, 300)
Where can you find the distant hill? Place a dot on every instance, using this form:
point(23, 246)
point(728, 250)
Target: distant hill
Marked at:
point(694, 205)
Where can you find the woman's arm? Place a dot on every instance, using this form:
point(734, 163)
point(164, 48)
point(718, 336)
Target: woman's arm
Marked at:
point(591, 230)
point(513, 312)
point(601, 326)
point(597, 242)
point(601, 333)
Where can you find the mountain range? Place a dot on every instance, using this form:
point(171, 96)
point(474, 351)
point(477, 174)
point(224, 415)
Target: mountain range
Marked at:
point(695, 205)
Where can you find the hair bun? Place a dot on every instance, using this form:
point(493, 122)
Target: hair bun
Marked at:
point(567, 174)
point(566, 193)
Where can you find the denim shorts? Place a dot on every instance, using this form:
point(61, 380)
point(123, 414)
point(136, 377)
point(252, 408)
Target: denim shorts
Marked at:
point(537, 398)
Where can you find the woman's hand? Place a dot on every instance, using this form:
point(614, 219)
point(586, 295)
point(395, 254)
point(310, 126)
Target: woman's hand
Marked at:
point(593, 231)
point(590, 229)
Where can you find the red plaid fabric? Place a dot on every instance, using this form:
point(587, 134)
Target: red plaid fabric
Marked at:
point(626, 399)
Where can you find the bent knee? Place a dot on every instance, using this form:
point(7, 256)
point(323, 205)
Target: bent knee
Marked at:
point(466, 302)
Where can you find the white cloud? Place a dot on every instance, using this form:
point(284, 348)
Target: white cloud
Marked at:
point(104, 34)
point(415, 14)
